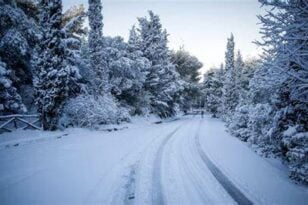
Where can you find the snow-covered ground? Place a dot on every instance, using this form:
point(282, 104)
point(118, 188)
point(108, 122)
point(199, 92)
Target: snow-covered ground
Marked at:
point(185, 161)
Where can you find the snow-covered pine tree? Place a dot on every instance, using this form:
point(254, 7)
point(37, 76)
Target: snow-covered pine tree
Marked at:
point(74, 32)
point(230, 97)
point(229, 54)
point(10, 100)
point(140, 66)
point(238, 125)
point(73, 21)
point(134, 41)
point(238, 69)
point(212, 90)
point(53, 72)
point(96, 52)
point(187, 66)
point(285, 43)
point(29, 7)
point(127, 70)
point(250, 66)
point(19, 34)
point(162, 81)
point(239, 64)
point(99, 56)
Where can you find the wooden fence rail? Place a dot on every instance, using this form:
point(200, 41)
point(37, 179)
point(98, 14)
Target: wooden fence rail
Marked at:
point(10, 122)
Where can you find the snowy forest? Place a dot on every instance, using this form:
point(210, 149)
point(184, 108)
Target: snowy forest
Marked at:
point(59, 64)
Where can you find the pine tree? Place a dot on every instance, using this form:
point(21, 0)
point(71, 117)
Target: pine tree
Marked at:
point(274, 113)
point(73, 21)
point(134, 41)
point(212, 88)
point(29, 7)
point(229, 54)
point(187, 66)
point(72, 26)
point(239, 69)
point(162, 79)
point(239, 66)
point(53, 73)
point(137, 97)
point(97, 55)
point(126, 72)
point(285, 65)
point(230, 97)
point(19, 34)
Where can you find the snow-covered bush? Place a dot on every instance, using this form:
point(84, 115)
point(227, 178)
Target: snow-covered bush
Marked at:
point(19, 34)
point(289, 135)
point(259, 124)
point(296, 142)
point(87, 111)
point(10, 100)
point(238, 125)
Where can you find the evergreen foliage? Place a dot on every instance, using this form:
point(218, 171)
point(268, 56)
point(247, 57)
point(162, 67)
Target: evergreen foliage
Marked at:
point(97, 55)
point(161, 82)
point(53, 71)
point(267, 99)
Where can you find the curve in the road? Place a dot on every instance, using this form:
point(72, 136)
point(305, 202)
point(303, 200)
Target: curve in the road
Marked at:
point(233, 191)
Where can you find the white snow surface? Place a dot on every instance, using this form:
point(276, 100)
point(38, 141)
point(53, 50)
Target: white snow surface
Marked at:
point(146, 163)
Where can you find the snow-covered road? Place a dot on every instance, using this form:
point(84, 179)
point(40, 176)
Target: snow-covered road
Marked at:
point(188, 161)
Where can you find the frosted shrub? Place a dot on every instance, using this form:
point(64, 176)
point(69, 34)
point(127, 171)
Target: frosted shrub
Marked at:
point(259, 123)
point(239, 122)
point(10, 100)
point(297, 154)
point(86, 111)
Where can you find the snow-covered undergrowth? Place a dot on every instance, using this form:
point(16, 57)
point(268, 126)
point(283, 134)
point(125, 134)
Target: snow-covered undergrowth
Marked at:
point(86, 111)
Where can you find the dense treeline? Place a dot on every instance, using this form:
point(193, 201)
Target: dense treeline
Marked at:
point(75, 76)
point(264, 102)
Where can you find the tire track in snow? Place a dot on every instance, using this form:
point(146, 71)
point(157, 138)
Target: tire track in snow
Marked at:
point(200, 186)
point(203, 182)
point(119, 176)
point(126, 187)
point(130, 186)
point(157, 194)
point(234, 192)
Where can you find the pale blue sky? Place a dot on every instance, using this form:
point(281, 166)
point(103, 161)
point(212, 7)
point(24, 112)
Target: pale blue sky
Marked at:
point(201, 25)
